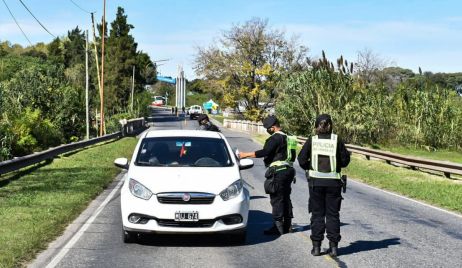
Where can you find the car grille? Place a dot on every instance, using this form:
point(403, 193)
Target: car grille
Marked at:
point(187, 224)
point(178, 198)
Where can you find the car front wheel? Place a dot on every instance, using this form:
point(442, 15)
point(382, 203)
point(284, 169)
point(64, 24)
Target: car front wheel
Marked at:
point(128, 237)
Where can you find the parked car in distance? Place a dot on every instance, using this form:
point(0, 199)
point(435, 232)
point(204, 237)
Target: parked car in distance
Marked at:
point(158, 101)
point(184, 181)
point(194, 111)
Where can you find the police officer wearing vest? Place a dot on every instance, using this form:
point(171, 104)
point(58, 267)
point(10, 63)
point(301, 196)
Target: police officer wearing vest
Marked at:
point(323, 156)
point(278, 155)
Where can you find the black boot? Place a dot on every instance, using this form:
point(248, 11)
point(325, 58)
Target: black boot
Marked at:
point(316, 251)
point(276, 229)
point(287, 225)
point(333, 247)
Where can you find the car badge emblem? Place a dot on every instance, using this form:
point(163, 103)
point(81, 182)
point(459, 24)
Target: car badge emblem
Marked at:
point(186, 197)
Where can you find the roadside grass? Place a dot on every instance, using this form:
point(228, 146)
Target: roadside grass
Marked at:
point(37, 203)
point(220, 117)
point(441, 155)
point(217, 117)
point(432, 189)
point(419, 185)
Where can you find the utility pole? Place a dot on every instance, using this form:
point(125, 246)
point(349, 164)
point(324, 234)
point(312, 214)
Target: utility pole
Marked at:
point(96, 51)
point(133, 86)
point(86, 86)
point(102, 128)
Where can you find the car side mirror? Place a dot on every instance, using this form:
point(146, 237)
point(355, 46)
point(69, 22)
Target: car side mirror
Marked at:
point(245, 164)
point(121, 162)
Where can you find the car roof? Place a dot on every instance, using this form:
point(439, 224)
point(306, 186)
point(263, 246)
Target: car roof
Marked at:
point(182, 133)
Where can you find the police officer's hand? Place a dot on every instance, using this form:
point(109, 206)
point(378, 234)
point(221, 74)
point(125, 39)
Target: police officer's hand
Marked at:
point(245, 154)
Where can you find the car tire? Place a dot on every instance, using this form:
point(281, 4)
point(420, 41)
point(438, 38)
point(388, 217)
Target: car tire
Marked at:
point(128, 237)
point(191, 117)
point(238, 238)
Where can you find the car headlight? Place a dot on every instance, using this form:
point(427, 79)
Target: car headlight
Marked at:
point(232, 191)
point(139, 190)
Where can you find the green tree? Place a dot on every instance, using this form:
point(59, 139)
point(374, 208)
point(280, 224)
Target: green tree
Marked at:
point(3, 52)
point(121, 57)
point(74, 48)
point(248, 62)
point(56, 51)
point(147, 70)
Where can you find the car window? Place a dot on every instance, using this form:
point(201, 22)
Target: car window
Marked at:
point(184, 152)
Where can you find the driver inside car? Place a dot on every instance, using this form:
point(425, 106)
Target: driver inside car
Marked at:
point(159, 154)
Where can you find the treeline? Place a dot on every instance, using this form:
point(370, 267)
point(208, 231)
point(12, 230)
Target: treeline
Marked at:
point(42, 87)
point(371, 103)
point(415, 110)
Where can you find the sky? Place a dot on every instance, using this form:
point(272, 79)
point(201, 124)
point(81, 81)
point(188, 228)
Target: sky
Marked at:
point(409, 34)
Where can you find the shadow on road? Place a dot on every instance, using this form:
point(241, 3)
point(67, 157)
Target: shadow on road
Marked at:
point(258, 221)
point(165, 118)
point(361, 245)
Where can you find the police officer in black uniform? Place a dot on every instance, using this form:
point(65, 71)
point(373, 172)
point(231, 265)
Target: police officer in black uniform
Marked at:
point(323, 156)
point(280, 175)
point(205, 124)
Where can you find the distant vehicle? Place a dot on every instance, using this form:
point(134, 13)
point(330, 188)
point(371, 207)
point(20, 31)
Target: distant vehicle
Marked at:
point(194, 111)
point(184, 181)
point(459, 90)
point(158, 101)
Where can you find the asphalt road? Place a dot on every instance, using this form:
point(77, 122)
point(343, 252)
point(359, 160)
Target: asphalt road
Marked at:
point(378, 230)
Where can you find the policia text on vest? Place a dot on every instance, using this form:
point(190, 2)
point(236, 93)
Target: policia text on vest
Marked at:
point(322, 157)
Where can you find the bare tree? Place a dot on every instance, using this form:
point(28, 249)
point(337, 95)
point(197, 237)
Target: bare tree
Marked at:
point(368, 65)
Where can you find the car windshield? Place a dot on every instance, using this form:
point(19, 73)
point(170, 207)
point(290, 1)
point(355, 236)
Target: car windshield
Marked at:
point(184, 152)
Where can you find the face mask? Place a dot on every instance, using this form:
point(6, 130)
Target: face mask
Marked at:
point(270, 130)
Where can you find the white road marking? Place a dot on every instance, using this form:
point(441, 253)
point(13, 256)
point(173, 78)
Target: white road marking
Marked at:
point(409, 199)
point(85, 226)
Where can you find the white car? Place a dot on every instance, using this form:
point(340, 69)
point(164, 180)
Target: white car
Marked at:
point(194, 111)
point(184, 181)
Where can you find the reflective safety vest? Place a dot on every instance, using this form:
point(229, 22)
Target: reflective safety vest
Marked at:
point(291, 145)
point(325, 147)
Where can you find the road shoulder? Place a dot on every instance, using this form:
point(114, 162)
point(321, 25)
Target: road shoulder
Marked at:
point(46, 256)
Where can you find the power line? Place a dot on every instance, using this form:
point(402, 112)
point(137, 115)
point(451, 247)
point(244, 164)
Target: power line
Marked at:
point(84, 10)
point(36, 18)
point(17, 23)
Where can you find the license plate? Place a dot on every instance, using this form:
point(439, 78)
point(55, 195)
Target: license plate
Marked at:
point(187, 216)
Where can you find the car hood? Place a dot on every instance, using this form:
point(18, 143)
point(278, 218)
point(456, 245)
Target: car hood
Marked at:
point(185, 179)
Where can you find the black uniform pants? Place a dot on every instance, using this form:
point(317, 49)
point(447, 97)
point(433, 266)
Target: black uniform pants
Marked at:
point(324, 204)
point(280, 201)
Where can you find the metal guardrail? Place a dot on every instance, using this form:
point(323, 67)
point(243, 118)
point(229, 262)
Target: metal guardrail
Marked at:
point(130, 127)
point(447, 168)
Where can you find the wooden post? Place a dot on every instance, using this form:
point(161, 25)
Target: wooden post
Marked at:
point(102, 126)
